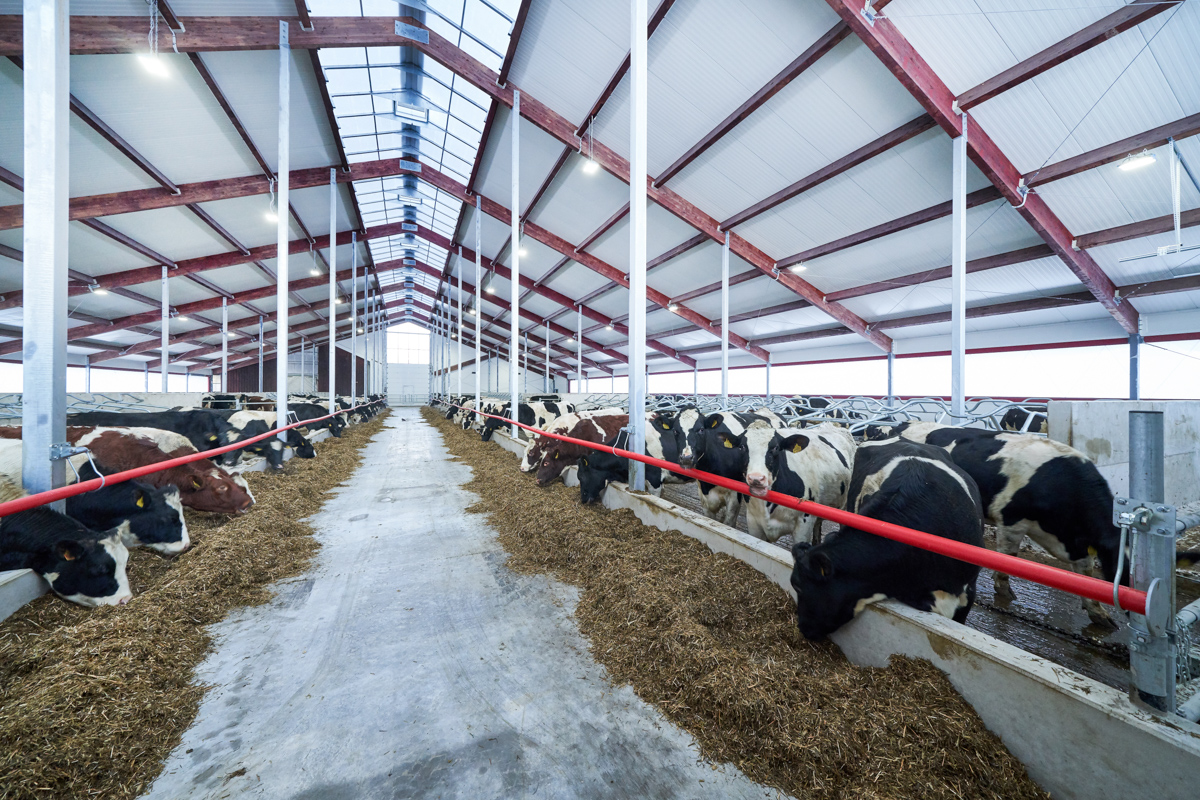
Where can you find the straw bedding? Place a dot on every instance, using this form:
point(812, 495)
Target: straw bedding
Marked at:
point(714, 645)
point(93, 701)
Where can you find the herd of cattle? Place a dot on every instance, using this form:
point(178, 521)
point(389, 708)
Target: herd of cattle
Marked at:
point(82, 553)
point(943, 480)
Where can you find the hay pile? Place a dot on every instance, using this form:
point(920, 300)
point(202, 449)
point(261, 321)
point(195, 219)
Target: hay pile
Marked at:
point(93, 701)
point(714, 645)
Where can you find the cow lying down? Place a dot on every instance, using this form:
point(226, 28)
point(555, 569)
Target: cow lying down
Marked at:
point(905, 483)
point(80, 564)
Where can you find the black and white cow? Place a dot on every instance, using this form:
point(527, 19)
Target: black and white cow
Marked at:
point(905, 483)
point(249, 424)
point(1036, 487)
point(1018, 419)
point(204, 428)
point(665, 441)
point(81, 565)
point(311, 413)
point(813, 465)
point(716, 445)
point(148, 516)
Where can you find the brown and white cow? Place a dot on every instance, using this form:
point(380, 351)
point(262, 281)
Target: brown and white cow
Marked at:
point(560, 455)
point(202, 485)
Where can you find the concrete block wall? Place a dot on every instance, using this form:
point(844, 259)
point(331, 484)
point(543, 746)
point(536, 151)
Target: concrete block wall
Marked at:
point(1100, 430)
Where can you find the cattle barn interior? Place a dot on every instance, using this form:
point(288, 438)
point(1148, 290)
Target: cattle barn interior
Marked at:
point(599, 398)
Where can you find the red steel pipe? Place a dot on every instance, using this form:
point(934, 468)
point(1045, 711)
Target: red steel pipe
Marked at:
point(1061, 579)
point(63, 492)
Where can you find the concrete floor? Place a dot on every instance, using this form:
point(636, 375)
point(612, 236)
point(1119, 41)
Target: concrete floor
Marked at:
point(410, 663)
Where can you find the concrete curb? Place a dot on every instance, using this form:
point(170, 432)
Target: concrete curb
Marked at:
point(1077, 737)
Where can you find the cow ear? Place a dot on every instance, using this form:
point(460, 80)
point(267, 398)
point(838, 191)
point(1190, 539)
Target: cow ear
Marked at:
point(68, 550)
point(712, 420)
point(794, 444)
point(820, 565)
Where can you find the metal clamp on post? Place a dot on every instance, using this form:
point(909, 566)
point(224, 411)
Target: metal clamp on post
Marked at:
point(1152, 647)
point(60, 451)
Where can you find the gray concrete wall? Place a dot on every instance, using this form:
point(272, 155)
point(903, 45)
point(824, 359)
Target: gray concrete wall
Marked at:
point(1100, 430)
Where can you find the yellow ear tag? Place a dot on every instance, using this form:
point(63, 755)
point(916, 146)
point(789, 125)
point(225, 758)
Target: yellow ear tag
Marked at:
point(1092, 551)
point(141, 501)
point(727, 443)
point(716, 422)
point(666, 427)
point(68, 556)
point(797, 447)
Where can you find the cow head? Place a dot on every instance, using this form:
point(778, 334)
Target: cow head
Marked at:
point(672, 438)
point(826, 599)
point(215, 492)
point(764, 451)
point(593, 476)
point(89, 572)
point(553, 464)
point(716, 449)
point(148, 516)
point(300, 446)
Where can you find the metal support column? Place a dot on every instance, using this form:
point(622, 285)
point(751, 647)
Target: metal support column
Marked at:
point(725, 323)
point(44, 314)
point(260, 354)
point(458, 357)
point(146, 376)
point(354, 321)
point(281, 233)
point(695, 380)
point(515, 281)
point(87, 374)
point(332, 290)
point(579, 348)
point(768, 376)
point(958, 278)
point(164, 359)
point(637, 241)
point(525, 372)
point(1135, 376)
point(478, 297)
point(1152, 637)
point(891, 394)
point(224, 345)
point(546, 379)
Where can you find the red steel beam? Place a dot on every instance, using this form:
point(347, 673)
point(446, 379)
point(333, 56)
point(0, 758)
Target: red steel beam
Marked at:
point(1097, 33)
point(514, 39)
point(915, 74)
point(1156, 137)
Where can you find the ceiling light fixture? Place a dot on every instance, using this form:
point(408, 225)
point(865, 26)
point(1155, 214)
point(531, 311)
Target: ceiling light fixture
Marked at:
point(154, 64)
point(608, 327)
point(524, 251)
point(490, 290)
point(798, 268)
point(672, 306)
point(315, 271)
point(590, 167)
point(1137, 161)
point(272, 214)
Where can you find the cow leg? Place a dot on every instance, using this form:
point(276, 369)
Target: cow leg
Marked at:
point(732, 507)
point(1008, 541)
point(1096, 611)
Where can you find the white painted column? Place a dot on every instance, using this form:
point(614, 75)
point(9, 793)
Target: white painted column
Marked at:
point(146, 376)
point(260, 354)
point(164, 361)
point(224, 344)
point(768, 376)
point(458, 357)
point(546, 379)
point(725, 323)
point(354, 320)
point(958, 278)
point(515, 311)
point(579, 348)
point(333, 289)
point(478, 294)
point(281, 232)
point(87, 374)
point(891, 362)
point(637, 241)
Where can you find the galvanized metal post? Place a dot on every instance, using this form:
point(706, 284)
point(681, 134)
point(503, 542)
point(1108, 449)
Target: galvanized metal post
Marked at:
point(768, 376)
point(332, 289)
point(87, 374)
point(958, 278)
point(224, 345)
point(637, 241)
point(146, 376)
point(695, 380)
point(525, 372)
point(1135, 377)
point(579, 348)
point(281, 233)
point(1152, 637)
point(478, 296)
point(546, 379)
point(458, 356)
point(354, 321)
point(515, 280)
point(260, 354)
point(891, 361)
point(164, 360)
point(46, 47)
point(725, 323)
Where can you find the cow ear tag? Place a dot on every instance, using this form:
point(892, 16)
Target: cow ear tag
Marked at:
point(196, 484)
point(666, 427)
point(716, 422)
point(1092, 551)
point(728, 443)
point(141, 501)
point(797, 447)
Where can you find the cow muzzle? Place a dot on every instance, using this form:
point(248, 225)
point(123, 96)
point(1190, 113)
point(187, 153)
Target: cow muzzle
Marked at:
point(685, 459)
point(759, 484)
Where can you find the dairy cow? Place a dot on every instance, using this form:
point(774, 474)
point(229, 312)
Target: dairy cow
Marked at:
point(715, 445)
point(813, 465)
point(560, 455)
point(1036, 487)
point(204, 428)
point(597, 468)
point(311, 413)
point(202, 485)
point(905, 483)
point(81, 565)
point(1018, 419)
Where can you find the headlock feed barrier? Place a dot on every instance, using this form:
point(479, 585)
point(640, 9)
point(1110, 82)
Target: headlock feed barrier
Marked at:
point(83, 487)
point(1044, 574)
